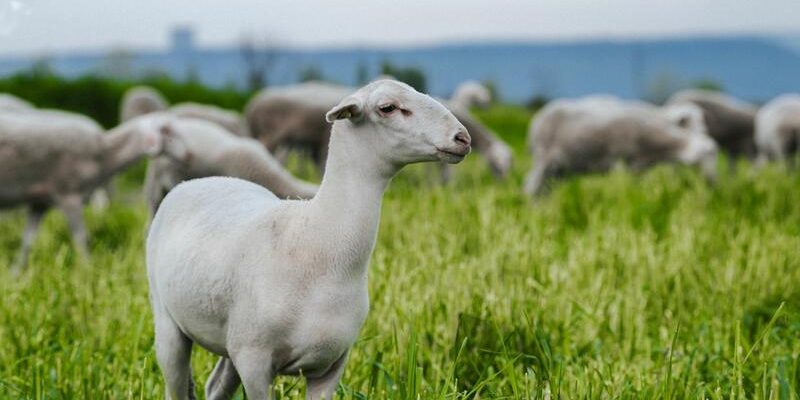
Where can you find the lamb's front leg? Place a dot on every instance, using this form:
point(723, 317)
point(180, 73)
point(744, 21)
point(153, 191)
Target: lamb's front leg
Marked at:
point(256, 371)
point(324, 387)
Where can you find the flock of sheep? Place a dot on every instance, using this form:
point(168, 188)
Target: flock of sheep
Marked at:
point(295, 304)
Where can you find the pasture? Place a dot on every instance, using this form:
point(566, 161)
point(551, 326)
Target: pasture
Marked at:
point(652, 285)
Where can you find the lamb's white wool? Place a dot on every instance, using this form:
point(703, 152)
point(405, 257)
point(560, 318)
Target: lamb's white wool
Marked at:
point(471, 94)
point(10, 102)
point(54, 160)
point(597, 132)
point(280, 286)
point(778, 128)
point(213, 151)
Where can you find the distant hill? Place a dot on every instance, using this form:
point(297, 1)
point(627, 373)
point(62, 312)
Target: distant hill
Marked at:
point(751, 67)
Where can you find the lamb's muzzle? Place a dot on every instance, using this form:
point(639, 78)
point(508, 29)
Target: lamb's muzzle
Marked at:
point(458, 150)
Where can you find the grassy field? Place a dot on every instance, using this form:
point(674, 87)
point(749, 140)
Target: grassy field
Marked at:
point(619, 286)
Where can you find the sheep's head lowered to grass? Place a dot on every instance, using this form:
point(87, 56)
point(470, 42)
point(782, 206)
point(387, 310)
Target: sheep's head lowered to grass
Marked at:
point(699, 148)
point(402, 125)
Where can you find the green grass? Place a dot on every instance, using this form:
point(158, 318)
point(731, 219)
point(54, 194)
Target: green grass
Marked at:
point(653, 285)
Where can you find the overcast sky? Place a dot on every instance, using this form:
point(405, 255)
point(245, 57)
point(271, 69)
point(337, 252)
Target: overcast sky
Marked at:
point(41, 26)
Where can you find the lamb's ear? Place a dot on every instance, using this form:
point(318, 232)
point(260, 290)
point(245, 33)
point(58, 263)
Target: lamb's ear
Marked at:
point(351, 108)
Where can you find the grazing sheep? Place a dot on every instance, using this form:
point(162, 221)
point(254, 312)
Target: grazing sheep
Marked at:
point(471, 94)
point(730, 121)
point(13, 103)
point(48, 161)
point(593, 134)
point(778, 128)
point(213, 151)
point(8, 103)
point(293, 116)
point(141, 100)
point(277, 287)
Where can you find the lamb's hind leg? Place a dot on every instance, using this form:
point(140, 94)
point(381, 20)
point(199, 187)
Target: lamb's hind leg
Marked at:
point(35, 216)
point(223, 382)
point(174, 355)
point(324, 387)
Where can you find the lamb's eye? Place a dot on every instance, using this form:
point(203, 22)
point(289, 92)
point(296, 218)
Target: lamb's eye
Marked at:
point(387, 108)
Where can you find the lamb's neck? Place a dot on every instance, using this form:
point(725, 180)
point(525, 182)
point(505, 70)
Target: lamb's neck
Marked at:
point(347, 206)
point(122, 147)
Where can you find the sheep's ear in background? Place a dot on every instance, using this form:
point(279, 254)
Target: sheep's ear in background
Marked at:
point(350, 108)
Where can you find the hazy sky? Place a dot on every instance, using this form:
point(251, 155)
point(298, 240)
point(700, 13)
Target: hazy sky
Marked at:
point(39, 26)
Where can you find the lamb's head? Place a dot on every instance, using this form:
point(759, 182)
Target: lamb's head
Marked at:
point(401, 125)
point(472, 94)
point(699, 148)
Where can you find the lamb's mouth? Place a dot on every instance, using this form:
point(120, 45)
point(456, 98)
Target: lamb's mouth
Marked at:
point(450, 156)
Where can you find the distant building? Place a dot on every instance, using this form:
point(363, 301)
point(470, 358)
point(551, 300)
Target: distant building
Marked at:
point(182, 40)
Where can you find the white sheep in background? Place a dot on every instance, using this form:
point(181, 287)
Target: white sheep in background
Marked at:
point(471, 94)
point(279, 287)
point(778, 129)
point(49, 160)
point(10, 102)
point(213, 151)
point(595, 133)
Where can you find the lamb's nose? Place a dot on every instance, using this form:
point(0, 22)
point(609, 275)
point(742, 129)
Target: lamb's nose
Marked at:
point(462, 138)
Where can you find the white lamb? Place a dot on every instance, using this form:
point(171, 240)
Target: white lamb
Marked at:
point(778, 129)
point(280, 287)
